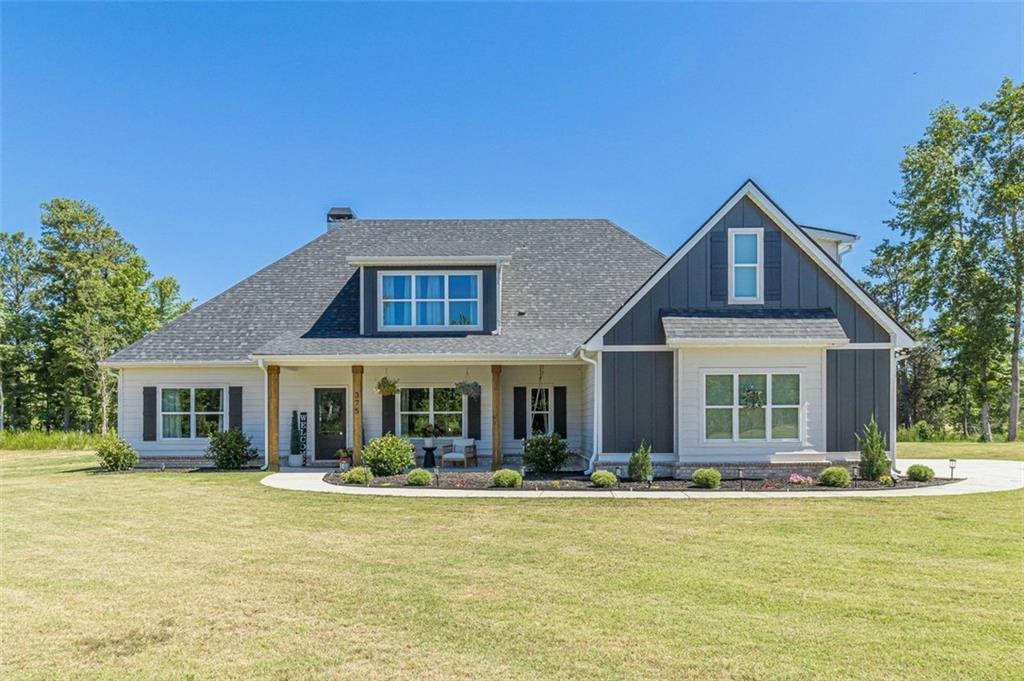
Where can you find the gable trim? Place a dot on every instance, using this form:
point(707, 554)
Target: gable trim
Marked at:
point(749, 189)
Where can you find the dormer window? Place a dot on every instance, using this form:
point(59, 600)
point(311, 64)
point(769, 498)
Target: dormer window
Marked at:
point(429, 300)
point(746, 265)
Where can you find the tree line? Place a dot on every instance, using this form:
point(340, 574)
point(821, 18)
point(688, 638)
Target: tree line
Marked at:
point(69, 300)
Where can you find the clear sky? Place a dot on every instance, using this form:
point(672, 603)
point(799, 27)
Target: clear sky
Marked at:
point(216, 136)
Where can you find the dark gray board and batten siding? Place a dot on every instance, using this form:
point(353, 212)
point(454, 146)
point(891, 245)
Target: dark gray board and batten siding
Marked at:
point(637, 392)
point(488, 299)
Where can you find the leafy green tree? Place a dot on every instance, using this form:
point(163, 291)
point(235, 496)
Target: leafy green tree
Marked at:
point(19, 347)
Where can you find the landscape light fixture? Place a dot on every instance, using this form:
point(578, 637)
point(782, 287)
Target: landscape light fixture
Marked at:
point(952, 467)
point(650, 480)
point(740, 471)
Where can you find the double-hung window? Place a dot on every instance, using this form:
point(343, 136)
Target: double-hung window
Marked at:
point(539, 408)
point(746, 265)
point(187, 413)
point(420, 407)
point(429, 300)
point(752, 406)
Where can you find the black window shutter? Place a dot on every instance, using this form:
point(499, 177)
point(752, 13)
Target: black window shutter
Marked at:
point(519, 412)
point(473, 412)
point(560, 412)
point(235, 407)
point(387, 414)
point(719, 266)
point(149, 413)
point(773, 265)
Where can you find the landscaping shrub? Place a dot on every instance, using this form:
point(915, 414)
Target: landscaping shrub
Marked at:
point(389, 455)
point(117, 455)
point(230, 449)
point(920, 473)
point(545, 453)
point(507, 478)
point(835, 476)
point(886, 480)
point(604, 479)
point(873, 461)
point(802, 480)
point(708, 478)
point(419, 477)
point(360, 475)
point(640, 463)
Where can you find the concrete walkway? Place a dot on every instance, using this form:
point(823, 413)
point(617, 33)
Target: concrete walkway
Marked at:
point(980, 475)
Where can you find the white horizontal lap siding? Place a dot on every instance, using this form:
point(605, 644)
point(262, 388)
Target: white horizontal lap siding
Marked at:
point(695, 362)
point(130, 404)
point(571, 376)
point(296, 389)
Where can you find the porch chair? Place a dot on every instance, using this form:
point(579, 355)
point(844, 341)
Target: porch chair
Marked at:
point(461, 450)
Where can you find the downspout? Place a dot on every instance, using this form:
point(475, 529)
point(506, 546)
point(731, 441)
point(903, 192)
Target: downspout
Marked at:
point(266, 424)
point(593, 448)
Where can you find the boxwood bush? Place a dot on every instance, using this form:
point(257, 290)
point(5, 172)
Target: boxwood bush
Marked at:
point(230, 449)
point(389, 455)
point(604, 479)
point(361, 475)
point(419, 477)
point(640, 463)
point(835, 476)
point(920, 473)
point(507, 478)
point(116, 454)
point(545, 453)
point(708, 478)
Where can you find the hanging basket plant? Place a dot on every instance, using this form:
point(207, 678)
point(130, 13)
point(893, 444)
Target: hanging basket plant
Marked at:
point(752, 398)
point(387, 386)
point(469, 388)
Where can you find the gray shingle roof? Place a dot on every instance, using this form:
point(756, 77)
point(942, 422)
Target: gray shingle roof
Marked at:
point(754, 324)
point(564, 276)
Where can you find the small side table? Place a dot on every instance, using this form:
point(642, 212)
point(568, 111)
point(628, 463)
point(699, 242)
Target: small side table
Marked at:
point(428, 457)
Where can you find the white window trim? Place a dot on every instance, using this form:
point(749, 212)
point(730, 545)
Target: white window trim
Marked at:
point(759, 298)
point(192, 410)
point(447, 300)
point(399, 412)
point(550, 411)
point(735, 373)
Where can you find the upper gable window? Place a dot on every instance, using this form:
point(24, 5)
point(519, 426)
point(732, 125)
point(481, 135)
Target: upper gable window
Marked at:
point(746, 265)
point(429, 300)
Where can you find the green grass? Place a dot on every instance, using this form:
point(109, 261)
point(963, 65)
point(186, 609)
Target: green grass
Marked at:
point(214, 576)
point(41, 439)
point(1006, 451)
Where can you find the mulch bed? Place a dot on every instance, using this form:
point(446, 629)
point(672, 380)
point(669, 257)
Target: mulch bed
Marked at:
point(579, 482)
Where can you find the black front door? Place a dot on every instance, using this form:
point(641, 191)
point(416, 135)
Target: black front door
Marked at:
point(330, 422)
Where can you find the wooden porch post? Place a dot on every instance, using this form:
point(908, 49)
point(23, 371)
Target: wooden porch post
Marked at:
point(273, 416)
point(495, 417)
point(357, 415)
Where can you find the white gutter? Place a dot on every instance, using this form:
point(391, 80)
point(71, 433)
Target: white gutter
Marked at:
point(266, 417)
point(597, 405)
point(410, 359)
point(391, 260)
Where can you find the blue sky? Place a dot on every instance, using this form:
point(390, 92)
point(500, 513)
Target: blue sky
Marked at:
point(216, 136)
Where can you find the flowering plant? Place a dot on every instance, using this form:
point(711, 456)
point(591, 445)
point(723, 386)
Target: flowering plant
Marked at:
point(803, 480)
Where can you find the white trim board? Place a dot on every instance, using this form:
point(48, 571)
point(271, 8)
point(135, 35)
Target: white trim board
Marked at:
point(813, 250)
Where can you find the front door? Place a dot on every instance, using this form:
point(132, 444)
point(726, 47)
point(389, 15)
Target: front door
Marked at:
point(330, 423)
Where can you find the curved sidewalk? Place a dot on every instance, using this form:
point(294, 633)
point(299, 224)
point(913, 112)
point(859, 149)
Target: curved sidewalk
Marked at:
point(980, 475)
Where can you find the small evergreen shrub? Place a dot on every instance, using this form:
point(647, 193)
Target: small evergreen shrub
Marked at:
point(389, 455)
point(230, 449)
point(835, 476)
point(507, 478)
point(708, 478)
point(116, 454)
point(545, 453)
point(419, 477)
point(295, 441)
point(920, 473)
point(361, 475)
point(640, 463)
point(873, 461)
point(604, 479)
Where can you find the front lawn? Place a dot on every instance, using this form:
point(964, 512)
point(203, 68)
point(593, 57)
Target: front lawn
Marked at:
point(214, 576)
point(1008, 451)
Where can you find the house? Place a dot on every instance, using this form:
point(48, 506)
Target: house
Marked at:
point(749, 345)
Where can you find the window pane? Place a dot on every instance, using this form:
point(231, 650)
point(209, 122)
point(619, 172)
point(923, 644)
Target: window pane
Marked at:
point(462, 314)
point(462, 286)
point(745, 282)
point(415, 399)
point(451, 424)
point(786, 389)
point(718, 390)
point(751, 424)
point(412, 425)
point(430, 286)
point(399, 287)
point(175, 399)
point(538, 399)
point(206, 424)
point(785, 423)
point(177, 425)
point(539, 424)
point(209, 399)
point(429, 314)
point(447, 399)
point(718, 424)
point(397, 314)
point(755, 381)
point(331, 411)
point(744, 249)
